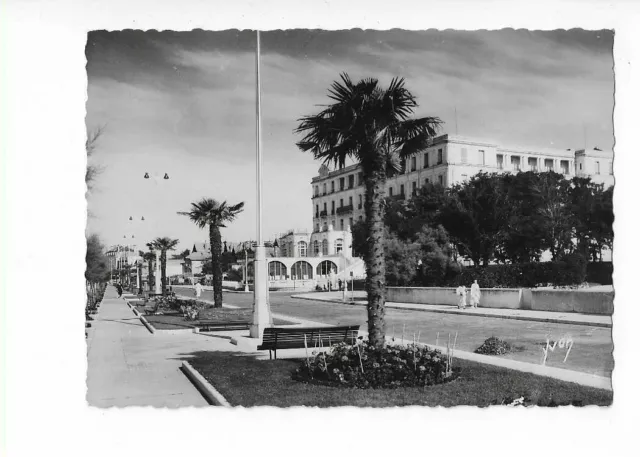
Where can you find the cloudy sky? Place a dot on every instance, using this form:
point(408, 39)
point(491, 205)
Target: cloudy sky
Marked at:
point(183, 103)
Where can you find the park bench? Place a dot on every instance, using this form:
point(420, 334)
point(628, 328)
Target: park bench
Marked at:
point(275, 338)
point(212, 326)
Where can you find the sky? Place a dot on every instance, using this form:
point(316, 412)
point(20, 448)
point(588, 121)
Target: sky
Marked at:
point(183, 103)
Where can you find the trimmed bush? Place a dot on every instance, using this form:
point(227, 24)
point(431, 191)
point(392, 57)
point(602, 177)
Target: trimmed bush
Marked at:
point(494, 346)
point(600, 273)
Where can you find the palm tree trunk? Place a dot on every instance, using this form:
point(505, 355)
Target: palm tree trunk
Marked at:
point(374, 257)
point(215, 239)
point(150, 262)
point(163, 271)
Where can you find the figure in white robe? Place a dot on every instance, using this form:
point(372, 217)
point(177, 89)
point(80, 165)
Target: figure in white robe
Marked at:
point(198, 290)
point(461, 291)
point(474, 295)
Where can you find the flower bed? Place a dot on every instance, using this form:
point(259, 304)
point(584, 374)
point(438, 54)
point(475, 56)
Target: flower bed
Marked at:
point(365, 366)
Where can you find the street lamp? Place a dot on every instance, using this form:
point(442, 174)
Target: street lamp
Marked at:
point(246, 268)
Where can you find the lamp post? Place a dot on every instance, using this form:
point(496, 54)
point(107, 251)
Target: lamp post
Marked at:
point(157, 274)
point(261, 310)
point(246, 268)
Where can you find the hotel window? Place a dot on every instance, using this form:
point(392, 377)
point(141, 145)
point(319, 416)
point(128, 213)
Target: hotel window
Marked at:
point(564, 166)
point(325, 247)
point(277, 270)
point(324, 227)
point(316, 247)
point(426, 160)
point(341, 224)
point(302, 270)
point(302, 249)
point(325, 208)
point(515, 163)
point(402, 190)
point(597, 168)
point(317, 191)
point(351, 180)
point(414, 187)
point(360, 180)
point(500, 161)
point(413, 163)
point(481, 156)
point(317, 211)
point(463, 155)
point(390, 191)
point(324, 189)
point(580, 166)
point(338, 245)
point(341, 203)
point(426, 181)
point(548, 164)
point(317, 227)
point(533, 163)
point(360, 201)
point(439, 156)
point(333, 207)
point(350, 201)
point(341, 183)
point(350, 222)
point(441, 180)
point(333, 186)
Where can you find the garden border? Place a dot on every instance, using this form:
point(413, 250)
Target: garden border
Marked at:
point(209, 392)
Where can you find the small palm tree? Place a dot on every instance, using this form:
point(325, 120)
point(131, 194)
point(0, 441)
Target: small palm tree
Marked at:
point(214, 214)
point(372, 126)
point(148, 257)
point(164, 244)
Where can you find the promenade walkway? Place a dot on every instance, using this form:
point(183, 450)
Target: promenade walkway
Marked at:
point(519, 314)
point(128, 366)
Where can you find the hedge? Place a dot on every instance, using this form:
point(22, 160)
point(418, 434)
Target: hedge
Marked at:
point(600, 273)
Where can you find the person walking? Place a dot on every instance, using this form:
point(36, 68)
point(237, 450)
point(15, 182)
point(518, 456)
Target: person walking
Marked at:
point(474, 296)
point(461, 292)
point(198, 289)
point(119, 288)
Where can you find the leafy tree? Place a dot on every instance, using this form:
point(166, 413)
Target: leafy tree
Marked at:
point(163, 245)
point(551, 191)
point(209, 212)
point(592, 216)
point(97, 272)
point(371, 125)
point(474, 216)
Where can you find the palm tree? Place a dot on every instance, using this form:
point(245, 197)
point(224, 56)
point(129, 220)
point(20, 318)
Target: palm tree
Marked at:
point(370, 125)
point(164, 244)
point(214, 214)
point(148, 257)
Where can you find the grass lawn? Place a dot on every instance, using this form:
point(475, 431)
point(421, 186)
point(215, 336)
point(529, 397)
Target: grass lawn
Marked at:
point(245, 381)
point(174, 320)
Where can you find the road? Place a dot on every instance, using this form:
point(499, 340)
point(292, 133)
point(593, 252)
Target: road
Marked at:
point(591, 351)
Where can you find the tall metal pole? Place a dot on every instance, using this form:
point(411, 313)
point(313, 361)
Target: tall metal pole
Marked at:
point(261, 310)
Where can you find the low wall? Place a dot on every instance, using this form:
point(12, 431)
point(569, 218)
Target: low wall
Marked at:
point(562, 301)
point(572, 301)
point(489, 298)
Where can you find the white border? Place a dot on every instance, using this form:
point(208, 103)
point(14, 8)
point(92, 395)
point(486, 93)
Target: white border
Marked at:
point(43, 84)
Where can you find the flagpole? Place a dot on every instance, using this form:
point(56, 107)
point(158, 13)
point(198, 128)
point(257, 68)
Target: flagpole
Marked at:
point(261, 310)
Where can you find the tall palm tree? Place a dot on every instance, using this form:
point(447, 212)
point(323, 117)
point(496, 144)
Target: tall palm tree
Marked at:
point(370, 125)
point(164, 244)
point(214, 214)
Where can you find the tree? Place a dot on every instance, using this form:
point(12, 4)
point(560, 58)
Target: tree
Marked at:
point(474, 216)
point(148, 257)
point(97, 272)
point(214, 214)
point(163, 245)
point(91, 144)
point(552, 192)
point(371, 125)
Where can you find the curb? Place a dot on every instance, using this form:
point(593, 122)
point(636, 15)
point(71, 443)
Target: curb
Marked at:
point(550, 320)
point(146, 323)
point(206, 389)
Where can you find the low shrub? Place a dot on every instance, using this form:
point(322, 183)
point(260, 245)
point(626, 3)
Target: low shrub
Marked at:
point(364, 366)
point(494, 346)
point(600, 273)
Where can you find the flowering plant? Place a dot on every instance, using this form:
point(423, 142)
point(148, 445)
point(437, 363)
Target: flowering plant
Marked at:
point(365, 366)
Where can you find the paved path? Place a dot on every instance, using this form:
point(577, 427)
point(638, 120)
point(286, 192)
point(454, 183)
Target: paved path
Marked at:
point(518, 314)
point(128, 366)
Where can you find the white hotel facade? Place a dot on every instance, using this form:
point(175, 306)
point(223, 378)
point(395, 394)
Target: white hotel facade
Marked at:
point(338, 195)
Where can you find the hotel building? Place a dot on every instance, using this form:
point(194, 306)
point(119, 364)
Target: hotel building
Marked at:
point(338, 195)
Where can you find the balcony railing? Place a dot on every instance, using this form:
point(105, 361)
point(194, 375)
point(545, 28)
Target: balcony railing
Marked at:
point(359, 205)
point(323, 213)
point(345, 209)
